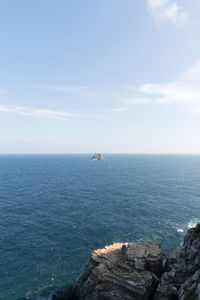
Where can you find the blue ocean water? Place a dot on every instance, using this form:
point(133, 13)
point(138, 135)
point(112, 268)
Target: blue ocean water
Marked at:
point(55, 209)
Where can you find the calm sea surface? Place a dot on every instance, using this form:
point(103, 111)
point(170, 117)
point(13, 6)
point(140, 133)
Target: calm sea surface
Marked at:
point(55, 209)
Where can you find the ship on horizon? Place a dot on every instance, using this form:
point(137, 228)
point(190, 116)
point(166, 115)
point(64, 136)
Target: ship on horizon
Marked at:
point(97, 156)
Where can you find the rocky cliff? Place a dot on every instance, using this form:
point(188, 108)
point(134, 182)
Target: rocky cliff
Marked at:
point(136, 271)
point(181, 279)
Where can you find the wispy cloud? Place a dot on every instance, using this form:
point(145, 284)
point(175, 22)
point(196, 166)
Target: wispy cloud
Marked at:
point(38, 112)
point(119, 109)
point(167, 10)
point(183, 92)
point(67, 89)
point(53, 114)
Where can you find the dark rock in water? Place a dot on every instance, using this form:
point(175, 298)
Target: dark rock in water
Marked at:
point(70, 294)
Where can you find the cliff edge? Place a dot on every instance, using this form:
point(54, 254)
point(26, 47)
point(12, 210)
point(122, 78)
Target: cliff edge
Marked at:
point(136, 271)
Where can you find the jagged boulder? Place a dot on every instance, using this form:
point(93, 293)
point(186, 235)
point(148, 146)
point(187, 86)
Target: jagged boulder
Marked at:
point(122, 271)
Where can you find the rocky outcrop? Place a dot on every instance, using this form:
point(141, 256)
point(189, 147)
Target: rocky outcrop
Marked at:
point(122, 271)
point(135, 271)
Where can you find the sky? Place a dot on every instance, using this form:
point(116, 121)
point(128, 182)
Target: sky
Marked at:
point(112, 76)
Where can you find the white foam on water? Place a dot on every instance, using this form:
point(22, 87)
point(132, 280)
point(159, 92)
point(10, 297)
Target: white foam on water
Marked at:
point(193, 222)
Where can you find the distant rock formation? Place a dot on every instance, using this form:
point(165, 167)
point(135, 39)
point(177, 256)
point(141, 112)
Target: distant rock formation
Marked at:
point(135, 271)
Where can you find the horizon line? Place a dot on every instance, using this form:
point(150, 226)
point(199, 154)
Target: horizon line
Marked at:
point(105, 153)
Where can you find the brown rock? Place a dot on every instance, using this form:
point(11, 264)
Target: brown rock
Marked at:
point(122, 271)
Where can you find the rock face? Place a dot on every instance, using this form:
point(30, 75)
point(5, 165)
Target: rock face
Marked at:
point(134, 271)
point(172, 259)
point(181, 265)
point(122, 271)
point(191, 288)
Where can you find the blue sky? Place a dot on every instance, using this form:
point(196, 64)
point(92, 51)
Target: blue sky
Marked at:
point(110, 76)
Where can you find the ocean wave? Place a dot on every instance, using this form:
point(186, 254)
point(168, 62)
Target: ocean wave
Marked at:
point(193, 222)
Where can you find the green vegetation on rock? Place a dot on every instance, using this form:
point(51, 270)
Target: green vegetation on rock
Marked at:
point(174, 296)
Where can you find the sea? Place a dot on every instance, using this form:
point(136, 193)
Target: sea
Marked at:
point(55, 209)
